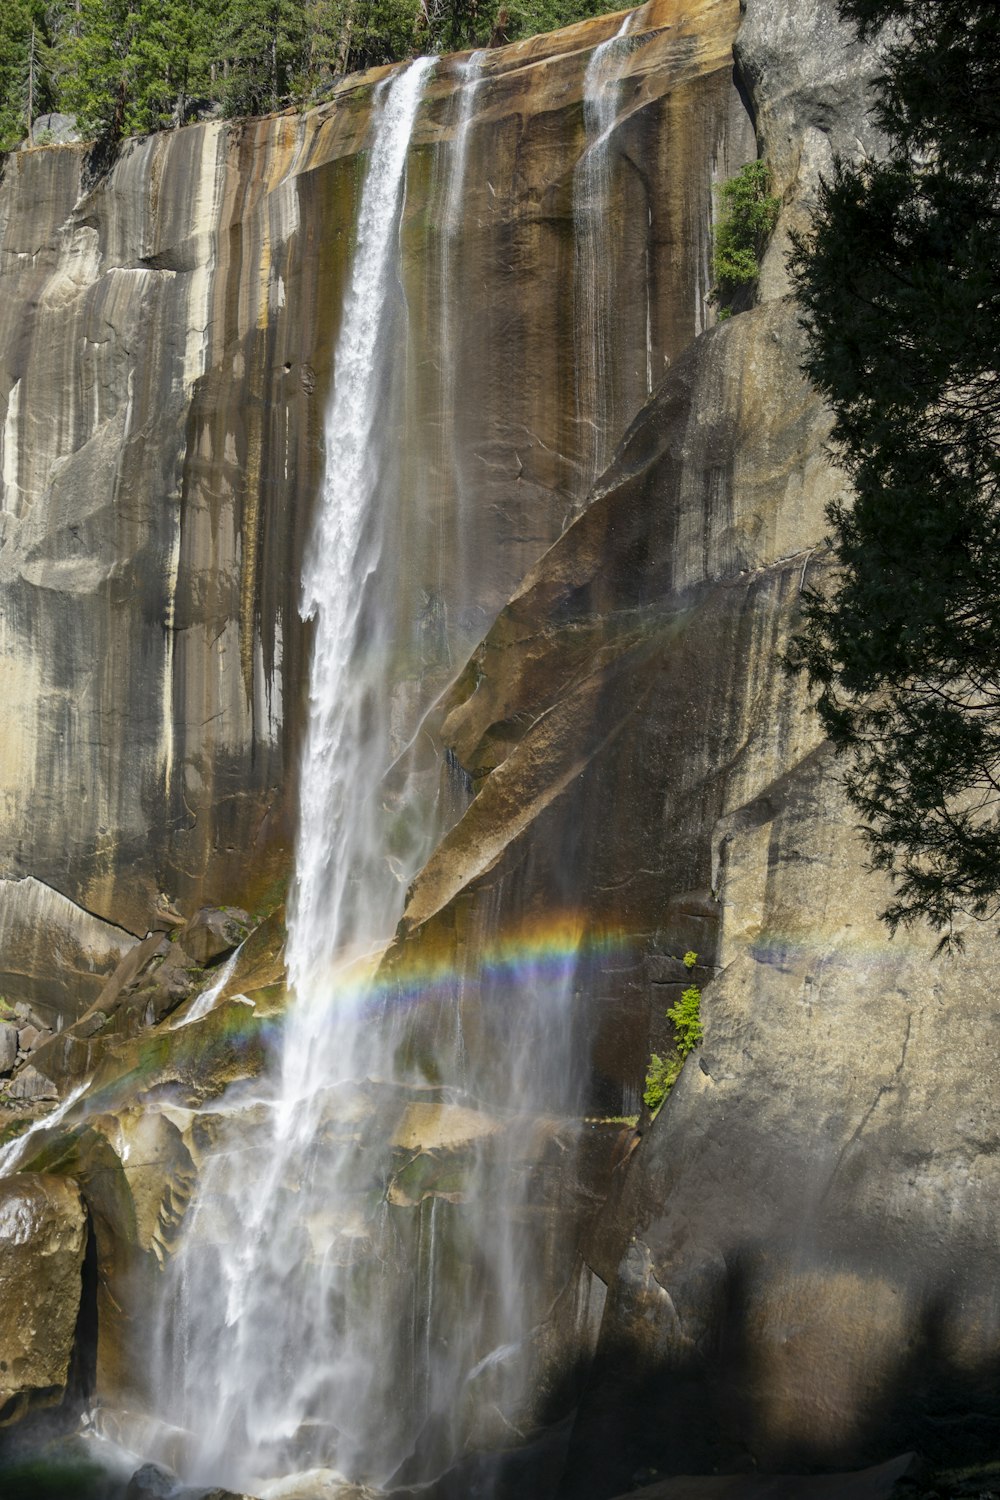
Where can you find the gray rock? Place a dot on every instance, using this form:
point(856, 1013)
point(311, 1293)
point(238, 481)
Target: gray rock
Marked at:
point(31, 1085)
point(8, 1046)
point(156, 1482)
point(152, 1482)
point(30, 1037)
point(811, 85)
point(214, 1495)
point(213, 932)
point(55, 129)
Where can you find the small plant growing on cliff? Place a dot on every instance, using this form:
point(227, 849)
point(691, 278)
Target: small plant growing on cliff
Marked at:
point(663, 1072)
point(686, 1016)
point(689, 960)
point(749, 213)
point(661, 1075)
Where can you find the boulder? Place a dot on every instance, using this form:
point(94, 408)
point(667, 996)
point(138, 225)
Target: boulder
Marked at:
point(214, 932)
point(8, 1046)
point(30, 1037)
point(151, 1482)
point(30, 1085)
point(55, 129)
point(55, 956)
point(155, 1482)
point(43, 1232)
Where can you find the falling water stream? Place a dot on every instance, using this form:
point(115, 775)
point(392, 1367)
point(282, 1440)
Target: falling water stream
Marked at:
point(269, 1379)
point(327, 1311)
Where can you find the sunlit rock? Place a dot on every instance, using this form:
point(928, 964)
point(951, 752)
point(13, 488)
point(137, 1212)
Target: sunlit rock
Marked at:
point(42, 1242)
point(54, 956)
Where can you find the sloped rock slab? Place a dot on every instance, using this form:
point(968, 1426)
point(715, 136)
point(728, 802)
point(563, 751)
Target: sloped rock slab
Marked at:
point(864, 1484)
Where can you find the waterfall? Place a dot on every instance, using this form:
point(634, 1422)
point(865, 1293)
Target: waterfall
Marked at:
point(597, 399)
point(364, 1286)
point(267, 1356)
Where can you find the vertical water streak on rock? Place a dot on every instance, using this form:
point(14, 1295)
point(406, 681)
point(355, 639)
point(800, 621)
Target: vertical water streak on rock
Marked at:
point(454, 307)
point(592, 190)
point(269, 1372)
point(9, 451)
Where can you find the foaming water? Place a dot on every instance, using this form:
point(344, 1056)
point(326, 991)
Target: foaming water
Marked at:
point(204, 1002)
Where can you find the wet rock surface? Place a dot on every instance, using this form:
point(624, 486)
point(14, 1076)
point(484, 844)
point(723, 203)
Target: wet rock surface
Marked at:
point(43, 1232)
point(887, 1481)
point(213, 933)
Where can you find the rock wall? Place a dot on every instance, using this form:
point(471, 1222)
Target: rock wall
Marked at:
point(166, 329)
point(796, 1249)
point(43, 1235)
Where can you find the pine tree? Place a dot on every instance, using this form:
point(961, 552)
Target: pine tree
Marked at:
point(900, 286)
point(26, 88)
point(131, 66)
point(264, 52)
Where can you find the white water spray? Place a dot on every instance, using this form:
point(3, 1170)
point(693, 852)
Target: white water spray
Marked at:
point(276, 1383)
point(12, 1155)
point(205, 1002)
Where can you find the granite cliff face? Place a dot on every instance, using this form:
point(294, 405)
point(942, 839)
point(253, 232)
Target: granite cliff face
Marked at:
point(166, 327)
point(791, 1265)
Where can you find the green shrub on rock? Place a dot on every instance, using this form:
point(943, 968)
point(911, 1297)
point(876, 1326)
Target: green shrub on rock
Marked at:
point(749, 214)
point(686, 1016)
point(663, 1072)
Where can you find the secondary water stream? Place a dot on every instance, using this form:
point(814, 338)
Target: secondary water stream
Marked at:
point(598, 401)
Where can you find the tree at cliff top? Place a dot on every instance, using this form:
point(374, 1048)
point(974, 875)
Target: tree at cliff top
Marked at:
point(126, 67)
point(900, 283)
point(129, 66)
point(26, 83)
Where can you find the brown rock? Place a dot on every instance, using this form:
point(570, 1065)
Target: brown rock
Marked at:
point(42, 1241)
point(55, 956)
point(214, 932)
point(30, 1037)
point(220, 358)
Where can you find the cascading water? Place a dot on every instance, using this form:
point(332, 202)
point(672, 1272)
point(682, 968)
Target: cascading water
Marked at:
point(342, 1300)
point(265, 1253)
